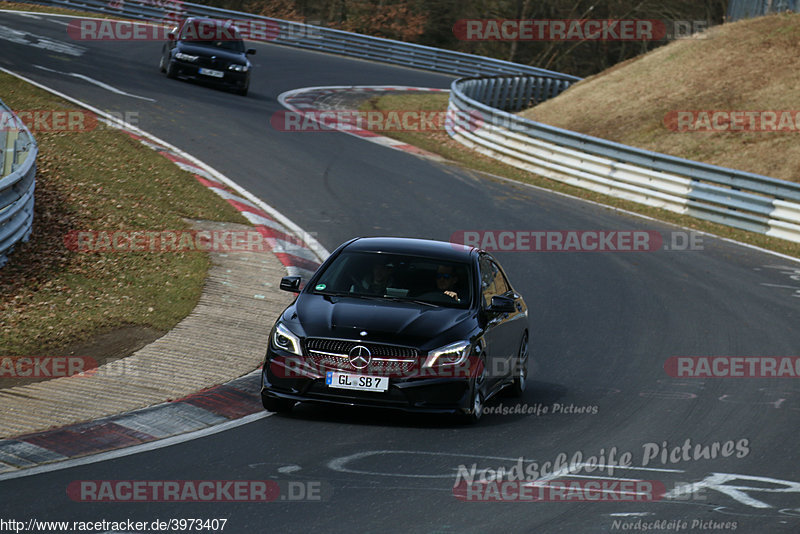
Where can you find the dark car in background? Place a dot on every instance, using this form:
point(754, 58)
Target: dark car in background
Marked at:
point(210, 51)
point(408, 324)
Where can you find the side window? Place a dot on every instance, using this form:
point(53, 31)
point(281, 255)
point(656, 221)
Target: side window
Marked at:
point(503, 286)
point(493, 283)
point(489, 277)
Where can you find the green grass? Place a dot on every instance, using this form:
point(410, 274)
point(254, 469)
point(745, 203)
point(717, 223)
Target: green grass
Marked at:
point(50, 296)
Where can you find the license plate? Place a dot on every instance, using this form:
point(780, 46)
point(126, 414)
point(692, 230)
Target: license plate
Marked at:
point(359, 382)
point(211, 72)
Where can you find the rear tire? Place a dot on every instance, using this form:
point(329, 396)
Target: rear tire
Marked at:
point(274, 404)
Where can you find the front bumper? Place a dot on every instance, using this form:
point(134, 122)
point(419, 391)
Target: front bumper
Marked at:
point(429, 394)
point(229, 78)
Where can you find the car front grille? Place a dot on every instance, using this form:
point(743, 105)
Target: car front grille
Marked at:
point(386, 360)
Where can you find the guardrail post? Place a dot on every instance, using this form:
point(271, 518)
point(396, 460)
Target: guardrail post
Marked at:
point(2, 148)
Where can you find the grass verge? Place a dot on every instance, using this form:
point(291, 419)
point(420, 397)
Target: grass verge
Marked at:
point(749, 66)
point(440, 143)
point(101, 179)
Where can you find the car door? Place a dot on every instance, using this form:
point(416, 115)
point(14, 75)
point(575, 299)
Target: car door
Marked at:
point(497, 348)
point(507, 327)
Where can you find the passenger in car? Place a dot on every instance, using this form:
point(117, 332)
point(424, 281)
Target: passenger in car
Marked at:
point(377, 280)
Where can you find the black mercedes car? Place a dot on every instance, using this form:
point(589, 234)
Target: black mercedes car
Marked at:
point(208, 50)
point(409, 324)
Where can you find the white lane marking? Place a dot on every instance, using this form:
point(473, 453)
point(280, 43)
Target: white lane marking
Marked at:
point(95, 82)
point(289, 469)
point(339, 464)
point(39, 41)
point(779, 285)
point(30, 16)
point(136, 449)
point(630, 514)
point(718, 482)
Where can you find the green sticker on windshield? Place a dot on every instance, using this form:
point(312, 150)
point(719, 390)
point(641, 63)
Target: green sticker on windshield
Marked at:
point(320, 287)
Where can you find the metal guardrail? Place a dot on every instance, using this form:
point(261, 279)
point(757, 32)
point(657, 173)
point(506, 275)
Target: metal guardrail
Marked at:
point(481, 106)
point(18, 152)
point(734, 198)
point(742, 9)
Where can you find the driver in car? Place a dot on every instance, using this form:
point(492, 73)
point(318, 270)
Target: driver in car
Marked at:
point(446, 280)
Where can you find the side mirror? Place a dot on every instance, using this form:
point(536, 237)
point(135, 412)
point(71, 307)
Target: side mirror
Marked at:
point(251, 52)
point(290, 283)
point(502, 305)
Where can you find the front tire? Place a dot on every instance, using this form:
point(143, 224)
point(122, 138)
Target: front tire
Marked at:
point(517, 387)
point(477, 401)
point(242, 91)
point(274, 404)
point(171, 70)
point(162, 64)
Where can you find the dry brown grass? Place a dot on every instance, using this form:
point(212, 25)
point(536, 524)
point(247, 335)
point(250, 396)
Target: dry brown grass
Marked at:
point(751, 65)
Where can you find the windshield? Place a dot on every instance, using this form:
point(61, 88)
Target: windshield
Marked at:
point(397, 277)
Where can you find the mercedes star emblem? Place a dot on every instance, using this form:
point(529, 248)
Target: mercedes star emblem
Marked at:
point(360, 356)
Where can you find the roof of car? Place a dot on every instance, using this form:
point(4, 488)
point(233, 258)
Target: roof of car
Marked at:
point(418, 247)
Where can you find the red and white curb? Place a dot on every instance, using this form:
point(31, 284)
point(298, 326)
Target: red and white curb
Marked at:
point(200, 413)
point(305, 99)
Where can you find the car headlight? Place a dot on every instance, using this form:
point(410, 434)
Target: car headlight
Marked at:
point(186, 57)
point(284, 339)
point(452, 354)
point(238, 68)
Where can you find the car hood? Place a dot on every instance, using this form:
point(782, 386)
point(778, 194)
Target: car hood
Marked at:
point(208, 51)
point(385, 321)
